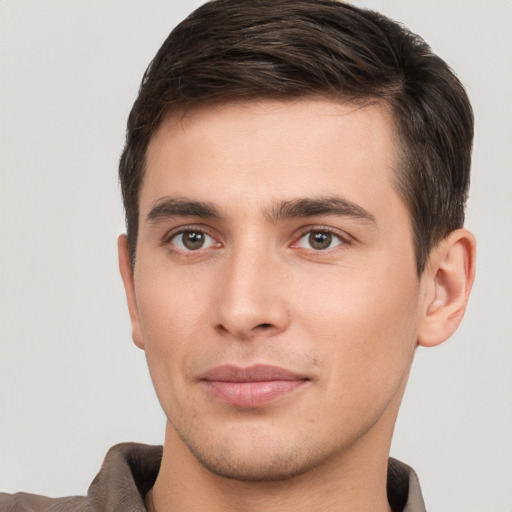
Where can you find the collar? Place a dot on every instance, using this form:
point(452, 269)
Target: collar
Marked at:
point(130, 470)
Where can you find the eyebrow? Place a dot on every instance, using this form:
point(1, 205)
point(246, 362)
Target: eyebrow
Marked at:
point(307, 207)
point(169, 207)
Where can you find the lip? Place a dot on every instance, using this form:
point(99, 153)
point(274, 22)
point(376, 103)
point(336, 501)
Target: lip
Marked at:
point(251, 387)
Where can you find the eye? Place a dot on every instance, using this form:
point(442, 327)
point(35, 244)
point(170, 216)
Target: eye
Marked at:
point(319, 240)
point(192, 240)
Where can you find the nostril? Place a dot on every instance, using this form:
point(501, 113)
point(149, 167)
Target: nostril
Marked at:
point(220, 328)
point(264, 326)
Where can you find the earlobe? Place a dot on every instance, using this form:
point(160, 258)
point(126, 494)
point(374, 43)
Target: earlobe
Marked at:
point(129, 288)
point(448, 279)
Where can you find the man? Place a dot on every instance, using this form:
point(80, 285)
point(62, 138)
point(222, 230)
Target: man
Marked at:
point(294, 180)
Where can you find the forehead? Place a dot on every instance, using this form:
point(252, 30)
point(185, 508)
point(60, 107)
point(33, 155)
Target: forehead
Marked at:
point(248, 153)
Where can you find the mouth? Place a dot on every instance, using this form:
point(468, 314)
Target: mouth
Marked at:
point(251, 387)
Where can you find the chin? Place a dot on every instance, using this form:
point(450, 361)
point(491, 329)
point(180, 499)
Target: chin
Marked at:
point(254, 454)
point(261, 466)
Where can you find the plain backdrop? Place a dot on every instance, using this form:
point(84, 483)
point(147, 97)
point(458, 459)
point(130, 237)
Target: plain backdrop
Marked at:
point(72, 382)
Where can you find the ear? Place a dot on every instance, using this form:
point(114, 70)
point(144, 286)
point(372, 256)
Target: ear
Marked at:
point(129, 288)
point(447, 281)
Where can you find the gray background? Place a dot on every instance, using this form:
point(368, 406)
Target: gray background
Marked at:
point(72, 383)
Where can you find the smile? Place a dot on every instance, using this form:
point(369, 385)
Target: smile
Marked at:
point(251, 387)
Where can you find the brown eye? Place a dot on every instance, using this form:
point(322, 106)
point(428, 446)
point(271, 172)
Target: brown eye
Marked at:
point(192, 241)
point(320, 240)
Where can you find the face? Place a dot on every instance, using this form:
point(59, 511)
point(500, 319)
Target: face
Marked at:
point(275, 290)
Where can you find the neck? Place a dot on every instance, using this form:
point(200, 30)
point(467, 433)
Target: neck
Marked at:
point(352, 481)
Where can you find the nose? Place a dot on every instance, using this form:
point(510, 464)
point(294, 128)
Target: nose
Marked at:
point(251, 299)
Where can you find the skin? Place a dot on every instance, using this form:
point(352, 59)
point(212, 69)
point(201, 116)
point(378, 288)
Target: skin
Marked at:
point(347, 318)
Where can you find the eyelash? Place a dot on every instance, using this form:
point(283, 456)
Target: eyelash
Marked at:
point(167, 240)
point(345, 240)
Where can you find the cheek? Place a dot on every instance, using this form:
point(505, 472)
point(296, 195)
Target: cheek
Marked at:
point(170, 317)
point(170, 307)
point(365, 326)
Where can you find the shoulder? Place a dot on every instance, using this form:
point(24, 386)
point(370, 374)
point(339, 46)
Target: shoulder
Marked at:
point(24, 502)
point(128, 472)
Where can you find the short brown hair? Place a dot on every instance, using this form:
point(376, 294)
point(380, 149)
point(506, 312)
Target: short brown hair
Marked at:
point(237, 50)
